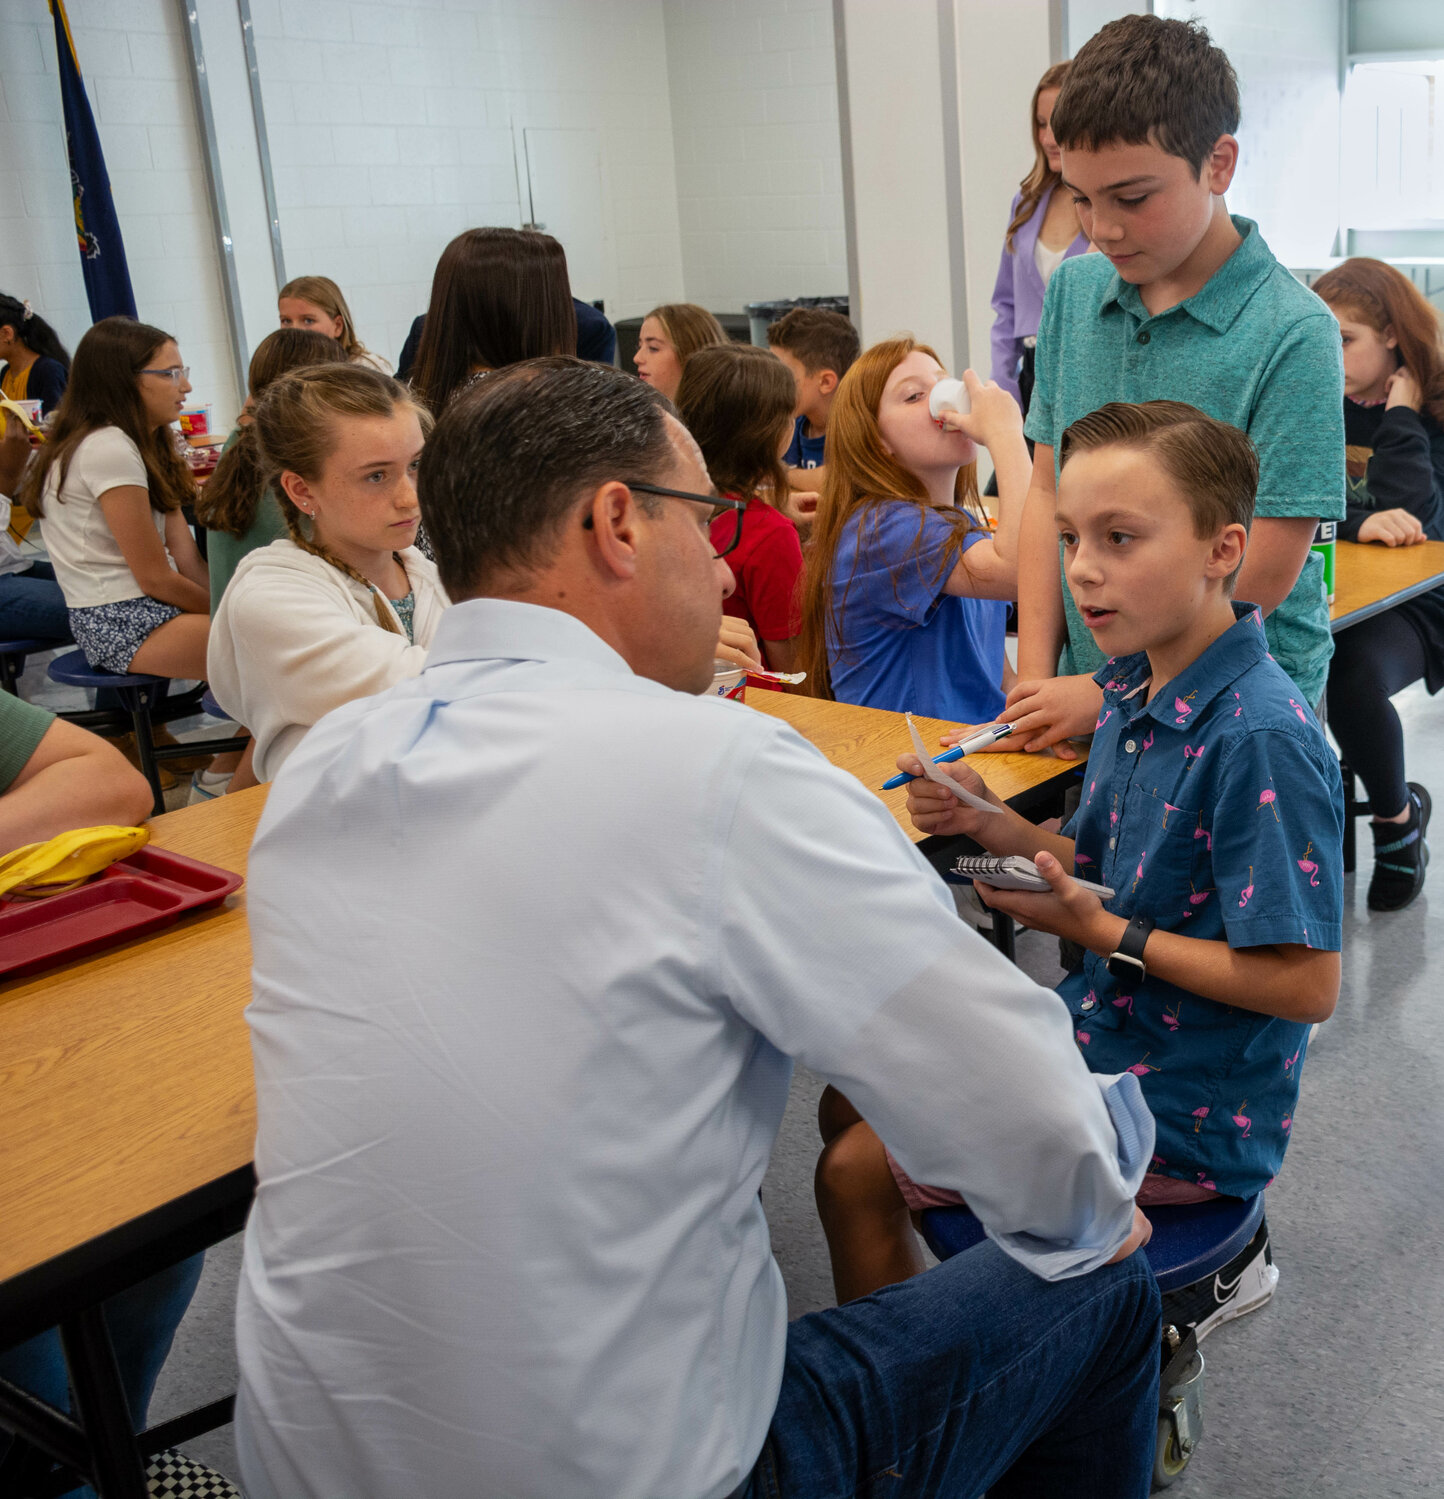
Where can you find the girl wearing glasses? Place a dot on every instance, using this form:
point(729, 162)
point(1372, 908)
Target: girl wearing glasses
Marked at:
point(345, 605)
point(107, 489)
point(737, 402)
point(903, 599)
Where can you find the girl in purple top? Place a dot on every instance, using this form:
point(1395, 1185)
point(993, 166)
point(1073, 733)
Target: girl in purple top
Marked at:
point(1042, 233)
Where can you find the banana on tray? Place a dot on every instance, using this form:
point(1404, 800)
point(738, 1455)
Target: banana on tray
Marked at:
point(66, 860)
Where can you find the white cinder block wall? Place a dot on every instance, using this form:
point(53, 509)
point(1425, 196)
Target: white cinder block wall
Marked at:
point(1001, 56)
point(132, 58)
point(758, 159)
point(1286, 54)
point(394, 127)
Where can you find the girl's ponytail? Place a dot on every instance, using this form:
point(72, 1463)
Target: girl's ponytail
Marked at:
point(230, 500)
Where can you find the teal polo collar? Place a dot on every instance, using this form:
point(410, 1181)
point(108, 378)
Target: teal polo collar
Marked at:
point(1222, 297)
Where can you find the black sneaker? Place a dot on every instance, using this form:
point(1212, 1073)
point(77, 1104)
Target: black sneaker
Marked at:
point(1401, 855)
point(1242, 1286)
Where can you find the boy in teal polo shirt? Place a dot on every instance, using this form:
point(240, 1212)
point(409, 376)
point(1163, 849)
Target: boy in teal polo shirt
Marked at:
point(1185, 303)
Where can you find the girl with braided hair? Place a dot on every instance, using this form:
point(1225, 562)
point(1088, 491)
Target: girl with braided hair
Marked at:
point(345, 605)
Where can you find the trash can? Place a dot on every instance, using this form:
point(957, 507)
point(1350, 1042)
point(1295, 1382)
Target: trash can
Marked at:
point(736, 325)
point(761, 314)
point(629, 335)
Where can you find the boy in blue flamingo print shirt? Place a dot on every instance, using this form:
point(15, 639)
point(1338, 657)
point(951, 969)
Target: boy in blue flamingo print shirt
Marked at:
point(1212, 806)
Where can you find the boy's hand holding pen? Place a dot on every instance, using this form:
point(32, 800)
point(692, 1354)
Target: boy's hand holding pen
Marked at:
point(933, 809)
point(967, 742)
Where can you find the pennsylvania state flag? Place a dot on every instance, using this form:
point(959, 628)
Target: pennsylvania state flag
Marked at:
point(97, 230)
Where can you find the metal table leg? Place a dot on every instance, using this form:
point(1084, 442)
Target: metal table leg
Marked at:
point(101, 1406)
point(1005, 935)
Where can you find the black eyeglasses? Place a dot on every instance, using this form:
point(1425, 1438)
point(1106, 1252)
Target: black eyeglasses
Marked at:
point(731, 511)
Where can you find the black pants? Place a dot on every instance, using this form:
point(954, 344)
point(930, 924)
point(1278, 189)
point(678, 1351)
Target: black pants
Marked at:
point(1372, 661)
point(1025, 390)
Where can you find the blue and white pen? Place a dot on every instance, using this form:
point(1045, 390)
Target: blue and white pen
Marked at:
point(981, 740)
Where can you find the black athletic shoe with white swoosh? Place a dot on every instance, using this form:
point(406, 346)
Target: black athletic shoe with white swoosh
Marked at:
point(1242, 1286)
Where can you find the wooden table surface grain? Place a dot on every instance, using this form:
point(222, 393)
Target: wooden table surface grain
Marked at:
point(125, 1078)
point(1369, 578)
point(867, 741)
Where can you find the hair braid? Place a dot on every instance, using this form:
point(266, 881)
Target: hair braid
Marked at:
point(293, 525)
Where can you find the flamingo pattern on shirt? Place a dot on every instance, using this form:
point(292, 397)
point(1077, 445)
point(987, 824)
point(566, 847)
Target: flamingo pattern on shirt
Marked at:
point(1217, 810)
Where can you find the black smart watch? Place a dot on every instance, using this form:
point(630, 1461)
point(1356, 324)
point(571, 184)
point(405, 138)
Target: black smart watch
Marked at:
point(1126, 960)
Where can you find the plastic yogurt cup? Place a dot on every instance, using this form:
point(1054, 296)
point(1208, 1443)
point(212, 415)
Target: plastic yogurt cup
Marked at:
point(729, 681)
point(949, 395)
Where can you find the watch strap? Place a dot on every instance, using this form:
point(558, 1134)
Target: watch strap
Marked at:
point(1129, 952)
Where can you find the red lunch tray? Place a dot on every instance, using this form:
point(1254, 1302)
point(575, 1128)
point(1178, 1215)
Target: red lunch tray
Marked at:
point(136, 896)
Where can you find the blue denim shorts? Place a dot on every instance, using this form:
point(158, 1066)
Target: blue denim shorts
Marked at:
point(111, 634)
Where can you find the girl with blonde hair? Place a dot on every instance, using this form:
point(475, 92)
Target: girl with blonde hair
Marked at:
point(345, 606)
point(315, 303)
point(669, 335)
point(903, 595)
point(1042, 233)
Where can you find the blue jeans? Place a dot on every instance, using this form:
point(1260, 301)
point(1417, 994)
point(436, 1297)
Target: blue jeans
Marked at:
point(142, 1323)
point(32, 606)
point(973, 1377)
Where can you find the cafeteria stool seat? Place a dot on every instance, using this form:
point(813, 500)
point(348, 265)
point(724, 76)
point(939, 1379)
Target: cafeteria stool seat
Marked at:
point(12, 659)
point(1191, 1241)
point(139, 694)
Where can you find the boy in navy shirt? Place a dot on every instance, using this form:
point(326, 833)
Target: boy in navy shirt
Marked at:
point(818, 347)
point(1212, 806)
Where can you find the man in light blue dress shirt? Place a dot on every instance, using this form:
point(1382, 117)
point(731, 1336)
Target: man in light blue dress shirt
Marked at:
point(538, 936)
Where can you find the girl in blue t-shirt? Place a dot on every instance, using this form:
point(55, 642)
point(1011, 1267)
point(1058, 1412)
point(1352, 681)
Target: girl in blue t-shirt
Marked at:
point(903, 601)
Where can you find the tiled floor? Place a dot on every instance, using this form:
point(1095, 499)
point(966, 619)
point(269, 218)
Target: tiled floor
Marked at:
point(1335, 1388)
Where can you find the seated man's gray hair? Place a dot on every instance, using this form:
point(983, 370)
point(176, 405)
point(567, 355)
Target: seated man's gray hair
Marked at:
point(513, 457)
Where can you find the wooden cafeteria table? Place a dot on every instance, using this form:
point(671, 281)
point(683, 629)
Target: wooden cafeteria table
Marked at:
point(1368, 578)
point(127, 1116)
point(127, 1104)
point(867, 742)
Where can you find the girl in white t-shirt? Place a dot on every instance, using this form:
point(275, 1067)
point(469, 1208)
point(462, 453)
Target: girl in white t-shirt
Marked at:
point(108, 489)
point(347, 606)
